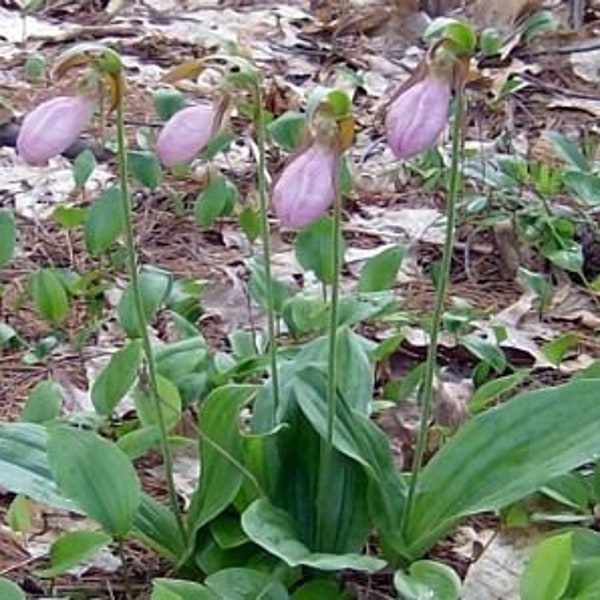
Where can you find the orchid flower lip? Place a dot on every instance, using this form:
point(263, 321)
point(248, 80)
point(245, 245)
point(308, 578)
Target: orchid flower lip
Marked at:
point(188, 132)
point(307, 187)
point(52, 126)
point(418, 116)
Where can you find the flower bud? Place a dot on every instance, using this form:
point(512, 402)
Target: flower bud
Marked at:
point(50, 128)
point(188, 132)
point(417, 117)
point(307, 187)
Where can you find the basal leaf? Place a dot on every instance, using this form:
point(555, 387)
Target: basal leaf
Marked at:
point(246, 584)
point(273, 529)
point(179, 589)
point(97, 476)
point(73, 548)
point(10, 590)
point(505, 454)
point(220, 449)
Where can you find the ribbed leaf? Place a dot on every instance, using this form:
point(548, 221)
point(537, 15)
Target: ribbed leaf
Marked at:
point(275, 531)
point(97, 476)
point(24, 464)
point(505, 454)
point(220, 479)
point(24, 470)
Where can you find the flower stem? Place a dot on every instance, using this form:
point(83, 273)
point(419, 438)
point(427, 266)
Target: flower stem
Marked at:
point(440, 298)
point(259, 123)
point(132, 263)
point(327, 448)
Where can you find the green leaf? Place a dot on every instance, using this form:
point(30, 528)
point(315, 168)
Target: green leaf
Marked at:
point(314, 249)
point(24, 470)
point(490, 42)
point(157, 527)
point(556, 349)
point(358, 438)
point(49, 296)
point(170, 404)
point(355, 376)
point(97, 476)
point(10, 590)
point(569, 258)
point(73, 548)
point(43, 403)
point(220, 143)
point(138, 442)
point(227, 531)
point(491, 390)
point(7, 334)
point(154, 287)
point(69, 216)
point(540, 22)
point(104, 221)
point(319, 589)
point(568, 151)
point(570, 489)
point(145, 167)
point(339, 102)
point(304, 314)
point(116, 378)
point(287, 130)
point(520, 446)
point(586, 186)
point(380, 271)
point(275, 531)
point(245, 584)
point(7, 236)
point(177, 360)
point(220, 450)
point(19, 513)
point(215, 200)
point(428, 579)
point(24, 466)
point(250, 223)
point(485, 350)
point(35, 65)
point(546, 576)
point(179, 589)
point(463, 35)
point(83, 167)
point(167, 102)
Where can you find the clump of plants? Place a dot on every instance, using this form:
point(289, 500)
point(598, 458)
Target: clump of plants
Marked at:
point(291, 494)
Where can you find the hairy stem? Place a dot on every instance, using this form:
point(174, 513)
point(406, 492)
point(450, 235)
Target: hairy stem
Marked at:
point(132, 263)
point(440, 298)
point(259, 122)
point(327, 447)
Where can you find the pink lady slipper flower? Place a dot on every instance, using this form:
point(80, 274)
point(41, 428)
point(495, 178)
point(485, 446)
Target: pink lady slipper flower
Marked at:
point(50, 128)
point(417, 117)
point(307, 186)
point(188, 132)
